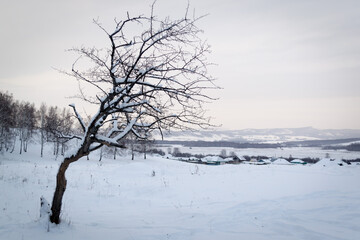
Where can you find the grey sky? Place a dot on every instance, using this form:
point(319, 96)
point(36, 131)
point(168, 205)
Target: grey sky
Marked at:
point(280, 63)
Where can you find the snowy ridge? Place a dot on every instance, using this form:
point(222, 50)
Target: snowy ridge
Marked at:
point(277, 135)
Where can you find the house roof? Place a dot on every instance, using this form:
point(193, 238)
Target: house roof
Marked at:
point(297, 161)
point(281, 161)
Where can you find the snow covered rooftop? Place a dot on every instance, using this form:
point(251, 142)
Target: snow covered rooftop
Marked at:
point(281, 161)
point(213, 159)
point(327, 162)
point(297, 161)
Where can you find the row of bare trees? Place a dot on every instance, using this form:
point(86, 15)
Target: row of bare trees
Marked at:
point(7, 120)
point(17, 121)
point(21, 121)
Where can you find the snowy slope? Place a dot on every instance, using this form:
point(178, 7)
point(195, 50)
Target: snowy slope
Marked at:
point(121, 199)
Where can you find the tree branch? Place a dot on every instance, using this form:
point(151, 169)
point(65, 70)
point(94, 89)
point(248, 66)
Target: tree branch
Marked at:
point(79, 118)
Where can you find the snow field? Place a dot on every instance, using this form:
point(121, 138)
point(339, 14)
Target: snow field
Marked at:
point(121, 199)
point(296, 152)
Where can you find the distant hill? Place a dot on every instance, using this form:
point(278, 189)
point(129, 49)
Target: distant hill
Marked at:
point(346, 144)
point(220, 144)
point(276, 135)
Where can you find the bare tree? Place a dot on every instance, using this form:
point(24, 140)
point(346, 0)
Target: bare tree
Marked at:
point(7, 120)
point(131, 140)
point(153, 79)
point(42, 115)
point(145, 144)
point(223, 153)
point(65, 129)
point(176, 152)
point(26, 122)
point(58, 126)
point(52, 122)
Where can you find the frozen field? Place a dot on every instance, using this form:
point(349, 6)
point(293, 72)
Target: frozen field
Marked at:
point(164, 199)
point(296, 152)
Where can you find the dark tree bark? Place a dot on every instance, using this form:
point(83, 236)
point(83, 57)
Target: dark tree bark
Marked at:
point(61, 181)
point(59, 192)
point(60, 188)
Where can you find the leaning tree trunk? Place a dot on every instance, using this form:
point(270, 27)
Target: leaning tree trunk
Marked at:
point(60, 189)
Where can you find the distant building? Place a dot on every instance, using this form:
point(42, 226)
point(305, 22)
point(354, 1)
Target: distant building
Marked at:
point(298, 161)
point(214, 160)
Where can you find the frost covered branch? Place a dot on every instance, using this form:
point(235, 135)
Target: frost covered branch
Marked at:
point(78, 116)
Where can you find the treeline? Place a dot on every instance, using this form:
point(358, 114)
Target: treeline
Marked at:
point(20, 121)
point(351, 147)
point(319, 143)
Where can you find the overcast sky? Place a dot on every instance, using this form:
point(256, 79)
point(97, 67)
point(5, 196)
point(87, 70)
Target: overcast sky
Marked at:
point(281, 63)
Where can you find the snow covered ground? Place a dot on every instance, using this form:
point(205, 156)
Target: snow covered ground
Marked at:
point(296, 152)
point(159, 199)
